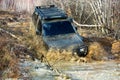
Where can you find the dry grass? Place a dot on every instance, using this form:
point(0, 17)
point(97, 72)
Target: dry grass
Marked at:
point(7, 60)
point(116, 49)
point(56, 55)
point(11, 49)
point(34, 42)
point(96, 52)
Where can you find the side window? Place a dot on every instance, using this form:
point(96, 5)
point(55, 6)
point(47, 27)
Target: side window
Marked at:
point(37, 21)
point(39, 25)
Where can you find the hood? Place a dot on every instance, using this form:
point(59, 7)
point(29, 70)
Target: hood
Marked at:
point(65, 41)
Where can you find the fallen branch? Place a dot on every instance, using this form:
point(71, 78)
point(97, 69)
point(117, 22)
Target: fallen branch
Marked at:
point(57, 71)
point(14, 36)
point(85, 25)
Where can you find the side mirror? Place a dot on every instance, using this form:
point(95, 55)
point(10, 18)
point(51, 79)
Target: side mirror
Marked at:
point(76, 28)
point(71, 20)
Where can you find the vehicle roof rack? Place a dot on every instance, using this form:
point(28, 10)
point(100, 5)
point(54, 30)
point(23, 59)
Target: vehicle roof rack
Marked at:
point(50, 12)
point(45, 6)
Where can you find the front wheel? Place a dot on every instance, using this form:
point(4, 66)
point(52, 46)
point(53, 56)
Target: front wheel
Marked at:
point(82, 52)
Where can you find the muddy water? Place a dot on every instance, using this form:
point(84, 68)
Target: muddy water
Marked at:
point(35, 70)
point(94, 71)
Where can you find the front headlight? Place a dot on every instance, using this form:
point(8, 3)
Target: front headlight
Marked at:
point(82, 49)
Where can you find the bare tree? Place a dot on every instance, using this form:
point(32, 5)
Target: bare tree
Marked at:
point(86, 12)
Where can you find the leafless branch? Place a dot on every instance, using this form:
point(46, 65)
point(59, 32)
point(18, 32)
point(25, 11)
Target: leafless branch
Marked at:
point(14, 36)
point(85, 25)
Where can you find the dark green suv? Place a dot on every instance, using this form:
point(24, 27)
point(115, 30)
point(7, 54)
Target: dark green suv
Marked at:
point(57, 30)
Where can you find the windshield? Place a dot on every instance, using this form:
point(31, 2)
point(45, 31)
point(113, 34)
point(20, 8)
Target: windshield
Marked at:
point(56, 28)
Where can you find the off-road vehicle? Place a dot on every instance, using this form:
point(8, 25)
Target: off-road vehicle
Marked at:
point(57, 30)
